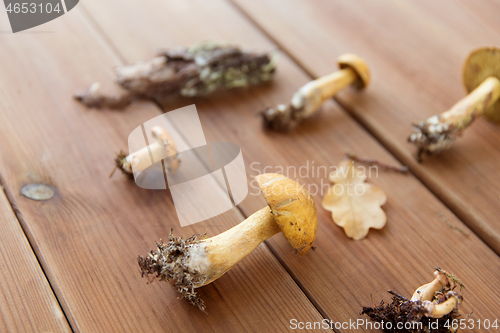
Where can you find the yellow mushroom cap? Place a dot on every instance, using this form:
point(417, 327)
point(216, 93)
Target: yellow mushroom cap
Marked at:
point(358, 65)
point(293, 208)
point(480, 65)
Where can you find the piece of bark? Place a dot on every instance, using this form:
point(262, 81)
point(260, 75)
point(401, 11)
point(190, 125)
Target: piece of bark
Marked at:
point(187, 72)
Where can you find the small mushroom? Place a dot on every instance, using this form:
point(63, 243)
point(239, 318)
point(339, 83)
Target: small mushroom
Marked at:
point(437, 299)
point(439, 310)
point(307, 100)
point(428, 291)
point(192, 263)
point(481, 79)
point(164, 148)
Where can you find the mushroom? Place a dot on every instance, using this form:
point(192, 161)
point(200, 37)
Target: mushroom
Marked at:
point(427, 291)
point(193, 263)
point(481, 76)
point(307, 100)
point(437, 299)
point(439, 310)
point(164, 148)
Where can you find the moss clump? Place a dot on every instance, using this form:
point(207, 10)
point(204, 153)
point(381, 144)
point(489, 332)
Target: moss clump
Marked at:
point(187, 72)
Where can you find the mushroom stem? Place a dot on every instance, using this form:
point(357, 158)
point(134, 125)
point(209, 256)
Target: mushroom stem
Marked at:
point(307, 100)
point(141, 159)
point(427, 291)
point(474, 104)
point(438, 132)
point(230, 247)
point(440, 310)
point(192, 263)
point(163, 148)
point(312, 95)
point(330, 85)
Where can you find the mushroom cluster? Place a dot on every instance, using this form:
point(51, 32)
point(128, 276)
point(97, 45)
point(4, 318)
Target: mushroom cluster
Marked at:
point(432, 304)
point(197, 261)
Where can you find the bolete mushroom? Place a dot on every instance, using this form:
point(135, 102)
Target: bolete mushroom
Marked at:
point(307, 100)
point(193, 263)
point(481, 76)
point(163, 148)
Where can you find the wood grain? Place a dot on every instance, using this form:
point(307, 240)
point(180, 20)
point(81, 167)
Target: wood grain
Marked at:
point(27, 304)
point(342, 275)
point(416, 50)
point(88, 236)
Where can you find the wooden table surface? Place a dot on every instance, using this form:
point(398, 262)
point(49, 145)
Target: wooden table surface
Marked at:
point(70, 263)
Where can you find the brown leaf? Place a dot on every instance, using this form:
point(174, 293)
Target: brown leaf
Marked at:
point(355, 205)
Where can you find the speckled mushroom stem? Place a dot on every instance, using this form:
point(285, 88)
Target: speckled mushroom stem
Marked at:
point(308, 99)
point(438, 132)
point(312, 95)
point(216, 255)
point(192, 263)
point(163, 148)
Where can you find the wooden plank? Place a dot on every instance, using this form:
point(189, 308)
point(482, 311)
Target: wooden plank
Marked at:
point(27, 304)
point(88, 235)
point(342, 275)
point(416, 50)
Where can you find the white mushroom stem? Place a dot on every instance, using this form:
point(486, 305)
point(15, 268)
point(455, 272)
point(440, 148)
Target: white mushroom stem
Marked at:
point(162, 148)
point(308, 99)
point(428, 291)
point(313, 94)
point(215, 256)
point(438, 132)
point(440, 310)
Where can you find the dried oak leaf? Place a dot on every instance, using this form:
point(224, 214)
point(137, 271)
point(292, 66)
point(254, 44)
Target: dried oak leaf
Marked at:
point(355, 205)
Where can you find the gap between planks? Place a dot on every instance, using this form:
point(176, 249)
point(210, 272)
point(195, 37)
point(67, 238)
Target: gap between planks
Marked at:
point(9, 205)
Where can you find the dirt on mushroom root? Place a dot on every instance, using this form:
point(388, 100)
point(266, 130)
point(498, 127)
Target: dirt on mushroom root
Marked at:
point(121, 164)
point(282, 118)
point(167, 262)
point(404, 311)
